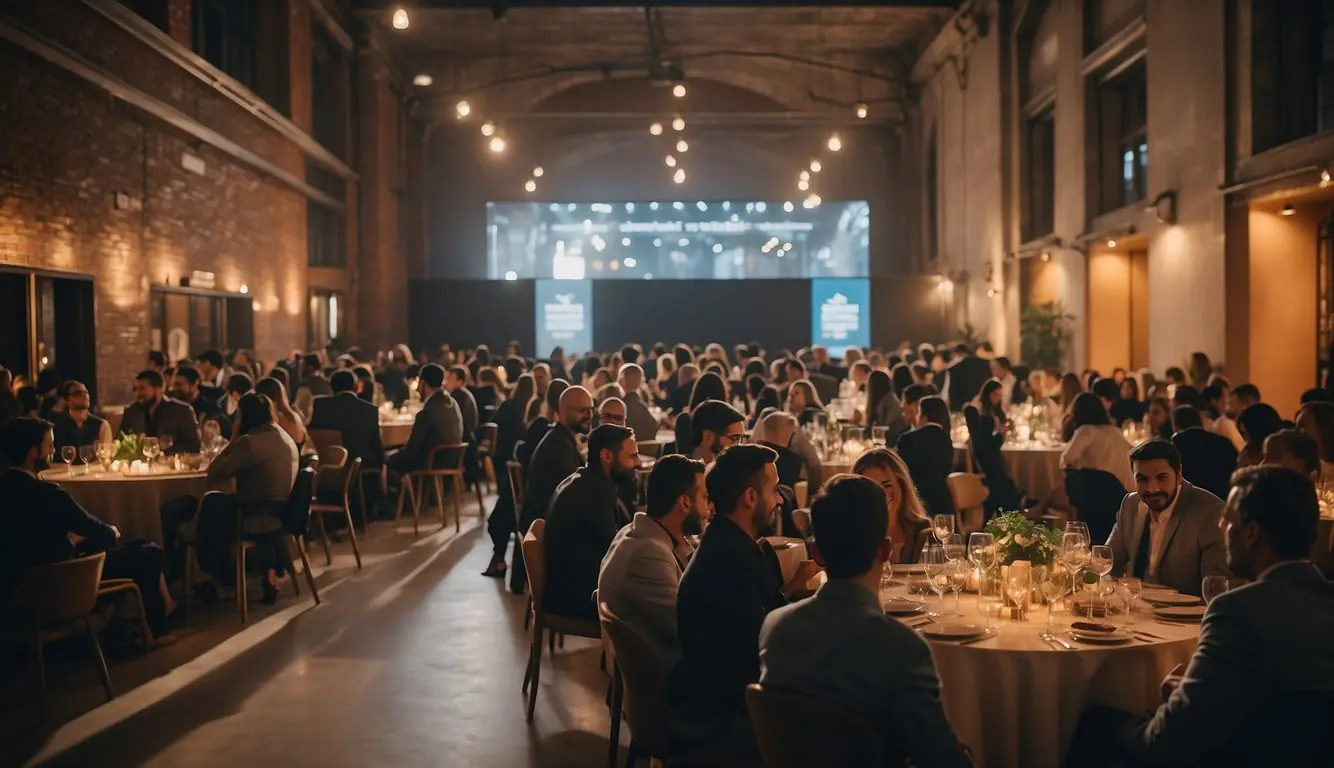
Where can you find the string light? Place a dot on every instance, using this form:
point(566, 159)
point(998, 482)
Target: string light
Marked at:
point(671, 161)
point(805, 176)
point(815, 166)
point(400, 19)
point(679, 91)
point(678, 123)
point(655, 128)
point(530, 186)
point(861, 110)
point(488, 128)
point(788, 206)
point(803, 185)
point(537, 172)
point(423, 80)
point(835, 143)
point(682, 146)
point(680, 176)
point(497, 144)
point(463, 109)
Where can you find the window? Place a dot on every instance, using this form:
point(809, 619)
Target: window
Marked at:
point(328, 103)
point(327, 312)
point(1292, 69)
point(223, 32)
point(932, 201)
point(326, 228)
point(1039, 180)
point(152, 11)
point(1122, 138)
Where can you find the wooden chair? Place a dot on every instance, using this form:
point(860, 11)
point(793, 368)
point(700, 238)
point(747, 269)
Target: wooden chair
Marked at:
point(969, 493)
point(801, 518)
point(344, 475)
point(515, 472)
point(639, 687)
point(797, 731)
point(486, 444)
point(325, 439)
point(803, 491)
point(443, 461)
point(535, 558)
point(55, 601)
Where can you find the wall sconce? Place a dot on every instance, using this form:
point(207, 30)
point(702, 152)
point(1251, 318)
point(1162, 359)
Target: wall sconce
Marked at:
point(1164, 207)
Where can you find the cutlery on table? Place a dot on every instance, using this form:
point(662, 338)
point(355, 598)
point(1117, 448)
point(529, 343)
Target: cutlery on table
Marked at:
point(1050, 638)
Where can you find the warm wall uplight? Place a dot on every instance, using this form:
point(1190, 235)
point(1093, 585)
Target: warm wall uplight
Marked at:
point(945, 286)
point(488, 128)
point(992, 293)
point(862, 110)
point(497, 144)
point(245, 288)
point(655, 128)
point(671, 161)
point(1111, 243)
point(423, 80)
point(835, 143)
point(1045, 256)
point(678, 123)
point(679, 91)
point(1288, 210)
point(680, 176)
point(682, 146)
point(537, 172)
point(530, 186)
point(400, 19)
point(463, 109)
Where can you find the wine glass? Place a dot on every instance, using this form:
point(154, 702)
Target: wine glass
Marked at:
point(879, 436)
point(1016, 586)
point(208, 431)
point(152, 448)
point(886, 580)
point(936, 566)
point(1100, 563)
point(958, 572)
point(942, 526)
point(1053, 582)
point(1074, 526)
point(86, 454)
point(67, 454)
point(105, 452)
point(1130, 589)
point(1213, 586)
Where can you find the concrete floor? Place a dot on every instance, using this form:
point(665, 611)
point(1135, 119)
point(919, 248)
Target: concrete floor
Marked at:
point(415, 660)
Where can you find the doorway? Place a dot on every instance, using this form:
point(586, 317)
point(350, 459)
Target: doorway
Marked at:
point(1118, 308)
point(46, 321)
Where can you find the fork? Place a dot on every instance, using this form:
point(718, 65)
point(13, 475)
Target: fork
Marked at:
point(1052, 640)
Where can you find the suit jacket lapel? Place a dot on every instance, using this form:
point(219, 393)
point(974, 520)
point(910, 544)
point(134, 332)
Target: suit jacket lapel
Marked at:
point(1172, 525)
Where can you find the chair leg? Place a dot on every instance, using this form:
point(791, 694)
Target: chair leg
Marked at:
point(39, 656)
point(352, 534)
point(615, 738)
point(537, 667)
point(242, 601)
point(365, 513)
point(97, 656)
point(410, 487)
point(188, 585)
point(438, 483)
point(305, 565)
point(324, 537)
point(402, 491)
point(560, 643)
point(289, 547)
point(457, 483)
point(477, 487)
point(528, 614)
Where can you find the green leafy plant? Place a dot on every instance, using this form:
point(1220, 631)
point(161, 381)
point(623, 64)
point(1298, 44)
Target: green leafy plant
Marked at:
point(1044, 333)
point(127, 447)
point(1020, 538)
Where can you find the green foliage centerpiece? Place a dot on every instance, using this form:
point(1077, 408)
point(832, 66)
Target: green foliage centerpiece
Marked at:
point(127, 448)
point(1019, 538)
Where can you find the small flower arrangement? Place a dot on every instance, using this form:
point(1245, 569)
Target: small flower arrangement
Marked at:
point(1020, 538)
point(127, 447)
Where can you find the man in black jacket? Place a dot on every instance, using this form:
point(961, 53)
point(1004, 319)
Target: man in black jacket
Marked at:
point(437, 423)
point(585, 515)
point(186, 387)
point(929, 454)
point(1207, 458)
point(153, 415)
point(965, 377)
point(555, 458)
point(357, 421)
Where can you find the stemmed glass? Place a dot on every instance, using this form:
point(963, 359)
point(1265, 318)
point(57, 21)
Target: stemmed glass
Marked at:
point(67, 454)
point(152, 448)
point(1100, 563)
point(1213, 586)
point(937, 567)
point(1130, 589)
point(1053, 581)
point(982, 554)
point(942, 526)
point(1016, 587)
point(1074, 555)
point(878, 436)
point(86, 454)
point(105, 452)
point(886, 580)
point(167, 442)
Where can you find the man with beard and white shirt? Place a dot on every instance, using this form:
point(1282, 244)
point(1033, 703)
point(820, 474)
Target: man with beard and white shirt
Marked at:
point(586, 512)
point(642, 569)
point(1167, 531)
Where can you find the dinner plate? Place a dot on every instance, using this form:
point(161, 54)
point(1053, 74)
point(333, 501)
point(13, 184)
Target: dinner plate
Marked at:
point(1115, 637)
point(901, 607)
point(909, 568)
point(953, 631)
point(1167, 597)
point(1190, 613)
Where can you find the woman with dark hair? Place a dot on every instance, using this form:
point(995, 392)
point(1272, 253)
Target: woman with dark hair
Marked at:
point(1129, 407)
point(1316, 419)
point(286, 416)
point(1256, 423)
point(883, 407)
point(1158, 418)
point(366, 383)
point(803, 401)
point(513, 366)
point(1200, 369)
point(754, 386)
point(280, 373)
point(1175, 377)
point(557, 363)
point(1070, 389)
point(29, 401)
point(901, 378)
point(755, 367)
point(262, 460)
point(1097, 443)
point(768, 398)
point(683, 355)
point(710, 386)
point(489, 391)
point(510, 426)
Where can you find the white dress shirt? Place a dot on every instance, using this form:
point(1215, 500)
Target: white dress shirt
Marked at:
point(1157, 535)
point(1228, 428)
point(1103, 447)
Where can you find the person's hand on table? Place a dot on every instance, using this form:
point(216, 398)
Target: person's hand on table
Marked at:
point(796, 586)
point(1172, 681)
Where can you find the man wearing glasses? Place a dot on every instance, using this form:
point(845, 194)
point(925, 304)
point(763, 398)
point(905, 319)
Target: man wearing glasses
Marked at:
point(717, 426)
point(77, 426)
point(612, 411)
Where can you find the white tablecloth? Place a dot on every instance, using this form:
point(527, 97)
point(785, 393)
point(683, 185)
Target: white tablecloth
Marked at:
point(395, 432)
point(1016, 701)
point(132, 504)
point(1037, 471)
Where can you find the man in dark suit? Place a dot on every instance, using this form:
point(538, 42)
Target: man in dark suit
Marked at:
point(637, 415)
point(825, 366)
point(1260, 688)
point(357, 421)
point(153, 415)
point(437, 423)
point(186, 387)
point(929, 453)
point(964, 377)
point(555, 458)
point(456, 383)
point(725, 594)
point(1167, 531)
point(40, 523)
point(312, 385)
point(585, 515)
point(1207, 458)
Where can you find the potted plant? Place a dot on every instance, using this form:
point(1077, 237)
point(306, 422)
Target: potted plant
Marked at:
point(1044, 333)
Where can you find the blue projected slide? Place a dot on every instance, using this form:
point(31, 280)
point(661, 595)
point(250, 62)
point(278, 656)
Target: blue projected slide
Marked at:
point(564, 315)
point(841, 314)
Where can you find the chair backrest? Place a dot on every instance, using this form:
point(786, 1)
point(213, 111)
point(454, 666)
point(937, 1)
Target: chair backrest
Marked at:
point(59, 593)
point(797, 731)
point(296, 513)
point(350, 473)
point(801, 520)
point(448, 457)
point(644, 680)
point(515, 470)
point(1096, 496)
point(803, 491)
point(535, 559)
point(325, 439)
point(969, 493)
point(332, 457)
point(486, 437)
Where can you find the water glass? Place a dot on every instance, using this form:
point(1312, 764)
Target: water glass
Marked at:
point(879, 436)
point(1213, 586)
point(942, 526)
point(1053, 582)
point(67, 454)
point(86, 454)
point(886, 579)
point(1130, 589)
point(152, 448)
point(936, 566)
point(1017, 583)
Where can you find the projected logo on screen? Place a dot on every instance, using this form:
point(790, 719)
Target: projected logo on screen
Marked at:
point(840, 314)
point(564, 315)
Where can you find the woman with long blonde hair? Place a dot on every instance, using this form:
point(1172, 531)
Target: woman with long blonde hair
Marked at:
point(907, 515)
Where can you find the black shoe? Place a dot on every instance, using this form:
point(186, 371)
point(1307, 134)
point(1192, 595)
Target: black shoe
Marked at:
point(207, 592)
point(496, 570)
point(270, 594)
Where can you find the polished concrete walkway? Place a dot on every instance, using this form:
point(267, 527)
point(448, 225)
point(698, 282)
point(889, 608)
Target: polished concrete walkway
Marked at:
point(416, 660)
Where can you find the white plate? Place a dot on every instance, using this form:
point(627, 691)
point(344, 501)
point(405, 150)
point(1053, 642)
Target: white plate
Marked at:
point(909, 568)
point(1169, 598)
point(1181, 613)
point(952, 631)
point(1109, 638)
point(901, 607)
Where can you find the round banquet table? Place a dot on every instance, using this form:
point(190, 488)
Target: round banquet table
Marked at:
point(1036, 469)
point(395, 432)
point(1016, 701)
point(131, 503)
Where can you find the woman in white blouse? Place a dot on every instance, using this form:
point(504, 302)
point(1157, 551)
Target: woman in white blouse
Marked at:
point(1096, 443)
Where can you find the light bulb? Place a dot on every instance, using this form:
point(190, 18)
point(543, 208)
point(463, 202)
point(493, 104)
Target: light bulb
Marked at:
point(680, 176)
point(655, 128)
point(488, 128)
point(805, 176)
point(245, 288)
point(678, 123)
point(400, 19)
point(861, 111)
point(530, 186)
point(463, 109)
point(497, 144)
point(679, 91)
point(788, 206)
point(835, 143)
point(537, 172)
point(1111, 243)
point(815, 166)
point(671, 161)
point(991, 293)
point(682, 146)
point(423, 80)
point(803, 185)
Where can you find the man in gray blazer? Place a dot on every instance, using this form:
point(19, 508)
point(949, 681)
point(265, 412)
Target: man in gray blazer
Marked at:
point(438, 423)
point(1260, 687)
point(1167, 531)
point(153, 415)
